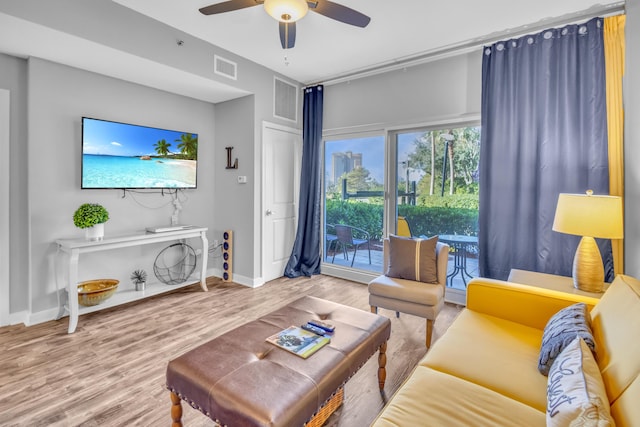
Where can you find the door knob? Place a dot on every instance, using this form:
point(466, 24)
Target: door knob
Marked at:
point(270, 212)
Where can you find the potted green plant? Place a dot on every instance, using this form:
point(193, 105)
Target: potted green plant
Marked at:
point(91, 217)
point(139, 279)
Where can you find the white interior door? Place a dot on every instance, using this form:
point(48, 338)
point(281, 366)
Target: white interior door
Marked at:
point(4, 207)
point(282, 154)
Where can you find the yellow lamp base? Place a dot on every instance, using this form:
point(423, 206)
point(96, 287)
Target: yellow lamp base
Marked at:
point(588, 270)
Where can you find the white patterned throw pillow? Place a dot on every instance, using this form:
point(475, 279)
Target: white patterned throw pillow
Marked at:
point(575, 391)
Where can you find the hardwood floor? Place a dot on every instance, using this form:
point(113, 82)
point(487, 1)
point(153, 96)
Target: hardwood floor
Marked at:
point(111, 371)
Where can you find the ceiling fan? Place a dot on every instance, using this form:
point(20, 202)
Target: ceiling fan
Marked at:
point(287, 12)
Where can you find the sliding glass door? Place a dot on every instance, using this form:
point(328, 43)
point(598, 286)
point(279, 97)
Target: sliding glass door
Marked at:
point(416, 183)
point(437, 192)
point(354, 179)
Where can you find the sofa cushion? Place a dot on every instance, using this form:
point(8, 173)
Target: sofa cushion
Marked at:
point(413, 259)
point(616, 321)
point(561, 329)
point(575, 391)
point(494, 353)
point(433, 398)
point(625, 410)
point(406, 290)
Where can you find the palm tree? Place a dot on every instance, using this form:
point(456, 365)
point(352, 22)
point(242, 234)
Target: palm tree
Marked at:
point(162, 147)
point(433, 163)
point(188, 145)
point(449, 141)
point(452, 174)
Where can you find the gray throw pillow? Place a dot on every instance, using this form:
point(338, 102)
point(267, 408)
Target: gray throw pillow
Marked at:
point(563, 327)
point(413, 259)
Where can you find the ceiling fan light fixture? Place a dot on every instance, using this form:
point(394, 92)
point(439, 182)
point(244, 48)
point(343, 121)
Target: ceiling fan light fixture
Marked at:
point(286, 10)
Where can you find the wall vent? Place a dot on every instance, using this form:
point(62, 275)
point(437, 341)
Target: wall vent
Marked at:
point(224, 67)
point(285, 100)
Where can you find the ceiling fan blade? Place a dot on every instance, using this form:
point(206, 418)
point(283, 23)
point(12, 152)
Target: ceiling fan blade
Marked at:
point(228, 6)
point(288, 34)
point(339, 13)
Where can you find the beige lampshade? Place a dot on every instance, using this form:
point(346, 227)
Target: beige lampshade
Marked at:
point(589, 215)
point(286, 10)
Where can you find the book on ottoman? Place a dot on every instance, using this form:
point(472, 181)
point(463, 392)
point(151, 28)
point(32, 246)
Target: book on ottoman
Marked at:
point(298, 341)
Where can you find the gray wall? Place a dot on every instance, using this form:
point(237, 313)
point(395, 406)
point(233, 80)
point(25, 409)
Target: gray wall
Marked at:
point(632, 140)
point(45, 175)
point(13, 77)
point(234, 205)
point(45, 143)
point(58, 96)
point(147, 38)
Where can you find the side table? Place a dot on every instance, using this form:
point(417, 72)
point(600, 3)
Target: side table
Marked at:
point(75, 247)
point(460, 244)
point(550, 281)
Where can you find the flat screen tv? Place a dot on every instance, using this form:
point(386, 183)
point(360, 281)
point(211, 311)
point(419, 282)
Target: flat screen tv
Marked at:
point(128, 156)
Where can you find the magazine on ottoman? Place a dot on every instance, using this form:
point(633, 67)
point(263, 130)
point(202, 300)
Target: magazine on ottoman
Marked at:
point(299, 341)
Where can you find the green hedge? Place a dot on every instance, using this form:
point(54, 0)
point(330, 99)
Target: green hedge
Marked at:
point(357, 214)
point(462, 201)
point(429, 221)
point(423, 220)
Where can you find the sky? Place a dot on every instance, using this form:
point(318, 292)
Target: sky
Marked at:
point(372, 149)
point(120, 139)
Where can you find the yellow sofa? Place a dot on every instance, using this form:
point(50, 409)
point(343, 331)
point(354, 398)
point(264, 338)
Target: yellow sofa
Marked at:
point(483, 370)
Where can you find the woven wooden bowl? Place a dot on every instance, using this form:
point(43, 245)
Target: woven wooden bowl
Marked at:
point(93, 292)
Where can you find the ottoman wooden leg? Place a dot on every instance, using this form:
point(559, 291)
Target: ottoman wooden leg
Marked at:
point(382, 363)
point(176, 410)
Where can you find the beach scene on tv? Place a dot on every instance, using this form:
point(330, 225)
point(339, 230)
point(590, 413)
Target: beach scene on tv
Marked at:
point(120, 155)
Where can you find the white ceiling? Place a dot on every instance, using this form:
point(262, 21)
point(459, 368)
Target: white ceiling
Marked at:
point(399, 29)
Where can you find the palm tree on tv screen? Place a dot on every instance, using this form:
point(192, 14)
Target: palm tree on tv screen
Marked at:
point(162, 147)
point(188, 145)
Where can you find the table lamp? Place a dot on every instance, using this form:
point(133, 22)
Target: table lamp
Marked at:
point(589, 216)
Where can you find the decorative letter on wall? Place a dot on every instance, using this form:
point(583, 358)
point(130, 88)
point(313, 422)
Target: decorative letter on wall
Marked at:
point(229, 165)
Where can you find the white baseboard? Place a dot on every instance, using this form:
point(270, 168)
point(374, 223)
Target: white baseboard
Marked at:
point(359, 276)
point(43, 316)
point(237, 278)
point(19, 317)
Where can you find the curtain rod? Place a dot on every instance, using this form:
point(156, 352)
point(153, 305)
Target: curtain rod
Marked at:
point(469, 45)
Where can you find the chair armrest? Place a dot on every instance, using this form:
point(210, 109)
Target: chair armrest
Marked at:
point(524, 304)
point(442, 260)
point(361, 231)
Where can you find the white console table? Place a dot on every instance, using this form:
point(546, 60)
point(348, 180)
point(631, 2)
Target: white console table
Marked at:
point(75, 247)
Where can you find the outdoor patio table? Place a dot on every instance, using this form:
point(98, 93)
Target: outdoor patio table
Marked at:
point(460, 244)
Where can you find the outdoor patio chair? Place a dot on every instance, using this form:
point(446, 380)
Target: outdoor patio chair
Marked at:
point(331, 238)
point(346, 238)
point(404, 229)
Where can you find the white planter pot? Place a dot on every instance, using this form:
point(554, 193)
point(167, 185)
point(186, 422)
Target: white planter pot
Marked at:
point(95, 233)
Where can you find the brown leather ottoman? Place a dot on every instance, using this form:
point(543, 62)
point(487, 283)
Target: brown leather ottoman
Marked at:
point(238, 379)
